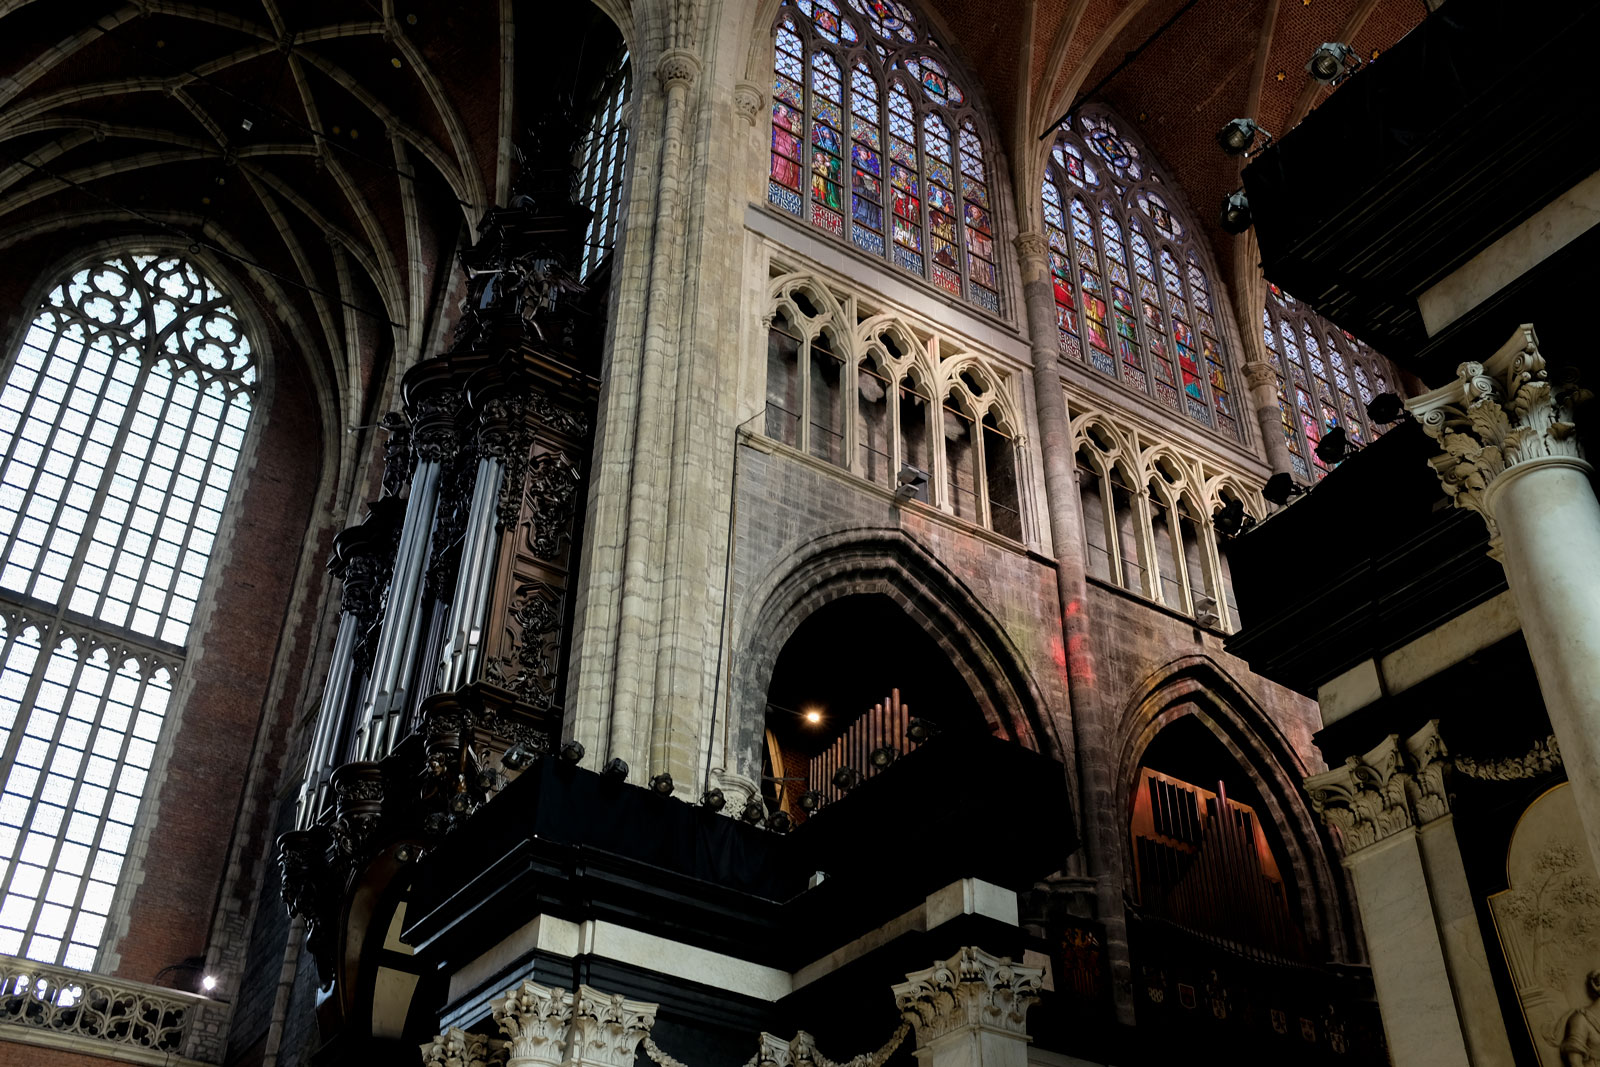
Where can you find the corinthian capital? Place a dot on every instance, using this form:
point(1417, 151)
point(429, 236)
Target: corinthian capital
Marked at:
point(1496, 416)
point(1364, 800)
point(607, 1028)
point(457, 1048)
point(1429, 797)
point(747, 98)
point(971, 989)
point(536, 1019)
point(1032, 245)
point(1257, 374)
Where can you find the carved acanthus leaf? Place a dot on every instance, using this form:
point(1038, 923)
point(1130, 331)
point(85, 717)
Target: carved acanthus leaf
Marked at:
point(1544, 757)
point(970, 989)
point(457, 1048)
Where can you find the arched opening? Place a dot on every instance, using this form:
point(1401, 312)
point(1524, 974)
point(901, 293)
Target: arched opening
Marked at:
point(1205, 852)
point(846, 684)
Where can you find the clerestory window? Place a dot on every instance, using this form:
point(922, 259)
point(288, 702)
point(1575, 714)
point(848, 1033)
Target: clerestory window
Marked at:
point(1132, 280)
point(122, 424)
point(875, 141)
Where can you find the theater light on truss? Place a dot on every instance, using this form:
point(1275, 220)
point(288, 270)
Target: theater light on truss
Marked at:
point(661, 784)
point(572, 751)
point(713, 800)
point(1238, 137)
point(846, 779)
point(780, 822)
point(615, 771)
point(1231, 520)
point(882, 758)
point(1386, 408)
point(1334, 446)
point(1235, 216)
point(920, 730)
point(810, 801)
point(754, 811)
point(1280, 488)
point(1333, 62)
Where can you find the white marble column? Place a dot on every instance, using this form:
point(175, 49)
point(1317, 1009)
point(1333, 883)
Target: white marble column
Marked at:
point(1389, 811)
point(970, 1011)
point(1511, 454)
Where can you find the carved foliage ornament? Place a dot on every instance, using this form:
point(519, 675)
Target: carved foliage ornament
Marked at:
point(971, 988)
point(536, 621)
point(457, 1048)
point(587, 1028)
point(1494, 416)
point(1390, 789)
point(1544, 757)
point(552, 498)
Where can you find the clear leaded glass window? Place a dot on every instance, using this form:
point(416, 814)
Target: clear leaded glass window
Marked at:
point(605, 155)
point(122, 421)
point(875, 141)
point(1326, 378)
point(1132, 282)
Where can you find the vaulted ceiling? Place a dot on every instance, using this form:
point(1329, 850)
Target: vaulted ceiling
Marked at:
point(335, 149)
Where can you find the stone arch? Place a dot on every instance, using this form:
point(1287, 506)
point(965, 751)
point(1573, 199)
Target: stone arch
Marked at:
point(886, 561)
point(1198, 686)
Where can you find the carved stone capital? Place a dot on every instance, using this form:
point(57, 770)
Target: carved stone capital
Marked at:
point(457, 1048)
point(536, 1019)
point(1426, 786)
point(1032, 245)
point(747, 100)
point(1364, 800)
point(1497, 416)
point(970, 990)
point(607, 1028)
point(588, 1028)
point(677, 66)
point(1258, 375)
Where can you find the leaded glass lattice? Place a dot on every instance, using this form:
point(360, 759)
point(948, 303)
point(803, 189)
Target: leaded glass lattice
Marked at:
point(1135, 271)
point(122, 423)
point(848, 81)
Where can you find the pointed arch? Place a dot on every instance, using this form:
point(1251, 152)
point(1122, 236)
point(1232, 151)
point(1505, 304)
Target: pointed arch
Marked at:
point(1200, 687)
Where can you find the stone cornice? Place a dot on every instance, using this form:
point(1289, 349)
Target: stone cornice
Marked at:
point(1498, 416)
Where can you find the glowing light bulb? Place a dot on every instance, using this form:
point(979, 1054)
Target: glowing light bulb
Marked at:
point(208, 983)
point(813, 717)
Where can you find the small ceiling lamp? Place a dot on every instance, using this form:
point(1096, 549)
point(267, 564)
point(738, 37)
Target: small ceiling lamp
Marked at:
point(1235, 215)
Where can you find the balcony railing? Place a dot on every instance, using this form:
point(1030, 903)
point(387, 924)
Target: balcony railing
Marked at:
point(107, 1017)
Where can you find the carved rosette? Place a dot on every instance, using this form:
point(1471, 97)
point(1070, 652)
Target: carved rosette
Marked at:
point(1496, 416)
point(747, 100)
point(970, 990)
point(457, 1048)
point(548, 1027)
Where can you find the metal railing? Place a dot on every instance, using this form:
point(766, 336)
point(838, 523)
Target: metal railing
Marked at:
point(122, 1016)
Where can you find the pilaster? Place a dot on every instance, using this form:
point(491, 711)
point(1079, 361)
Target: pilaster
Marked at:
point(970, 1010)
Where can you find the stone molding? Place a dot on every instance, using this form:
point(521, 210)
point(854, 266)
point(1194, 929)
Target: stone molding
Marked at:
point(970, 990)
point(548, 1027)
point(1498, 416)
point(1542, 758)
point(1392, 788)
point(747, 100)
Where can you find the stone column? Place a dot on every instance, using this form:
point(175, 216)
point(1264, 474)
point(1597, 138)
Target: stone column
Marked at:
point(970, 1011)
point(1511, 454)
point(549, 1027)
point(1390, 816)
point(1090, 733)
point(1261, 381)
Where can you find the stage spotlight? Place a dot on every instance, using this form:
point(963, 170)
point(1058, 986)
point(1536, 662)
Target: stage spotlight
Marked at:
point(810, 801)
point(1386, 408)
point(1235, 216)
point(846, 779)
point(754, 811)
point(1237, 136)
point(1334, 446)
point(781, 822)
point(912, 481)
point(1230, 519)
point(882, 757)
point(616, 770)
point(920, 730)
point(662, 784)
point(1333, 62)
point(572, 751)
point(517, 757)
point(713, 800)
point(1280, 487)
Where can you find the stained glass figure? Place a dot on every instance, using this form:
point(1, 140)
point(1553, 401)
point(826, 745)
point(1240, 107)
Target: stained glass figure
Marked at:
point(893, 124)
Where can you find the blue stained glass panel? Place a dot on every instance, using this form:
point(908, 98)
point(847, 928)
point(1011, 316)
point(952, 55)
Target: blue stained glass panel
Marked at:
point(867, 240)
point(866, 159)
point(787, 199)
point(911, 261)
point(787, 91)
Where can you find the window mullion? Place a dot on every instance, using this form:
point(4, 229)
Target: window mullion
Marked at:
point(29, 494)
point(133, 501)
point(803, 438)
point(50, 636)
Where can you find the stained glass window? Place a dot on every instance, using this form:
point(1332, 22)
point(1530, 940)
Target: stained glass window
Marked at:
point(911, 134)
point(1135, 271)
point(122, 421)
point(1325, 379)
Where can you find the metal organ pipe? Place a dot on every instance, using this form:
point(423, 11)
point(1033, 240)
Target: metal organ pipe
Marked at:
point(474, 577)
point(335, 698)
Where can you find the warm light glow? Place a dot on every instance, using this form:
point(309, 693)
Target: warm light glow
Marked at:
point(208, 983)
point(813, 716)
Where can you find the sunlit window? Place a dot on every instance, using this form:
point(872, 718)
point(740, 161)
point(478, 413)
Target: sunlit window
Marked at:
point(605, 155)
point(122, 423)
